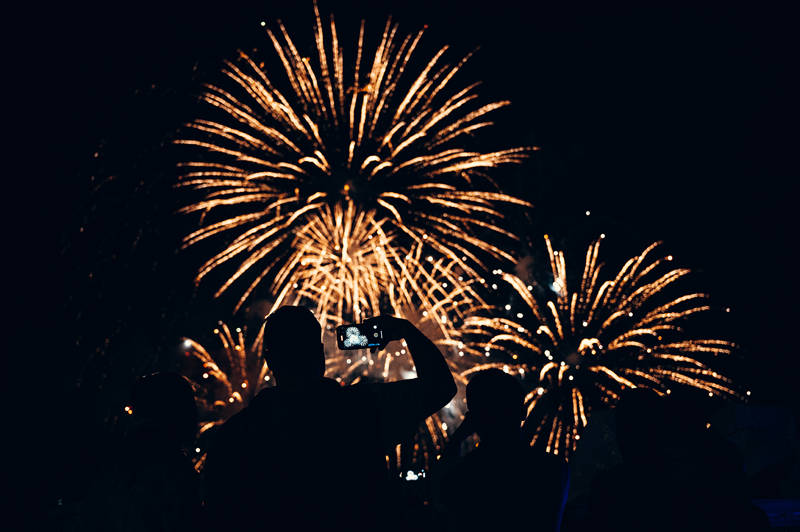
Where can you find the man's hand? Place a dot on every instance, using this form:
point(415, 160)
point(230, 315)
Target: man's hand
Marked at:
point(393, 328)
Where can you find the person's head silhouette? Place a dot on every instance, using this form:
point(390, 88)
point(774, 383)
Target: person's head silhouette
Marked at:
point(496, 405)
point(163, 407)
point(292, 346)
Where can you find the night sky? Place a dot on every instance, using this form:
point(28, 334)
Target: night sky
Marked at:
point(674, 124)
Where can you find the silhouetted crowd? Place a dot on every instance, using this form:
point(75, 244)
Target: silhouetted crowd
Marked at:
point(310, 454)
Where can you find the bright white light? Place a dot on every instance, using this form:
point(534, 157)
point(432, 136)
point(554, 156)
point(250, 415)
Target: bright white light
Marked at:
point(571, 377)
point(588, 213)
point(530, 287)
point(494, 286)
point(461, 353)
point(187, 344)
point(197, 449)
point(444, 426)
point(539, 390)
point(205, 375)
point(602, 235)
point(519, 314)
point(585, 324)
point(547, 352)
point(508, 307)
point(244, 385)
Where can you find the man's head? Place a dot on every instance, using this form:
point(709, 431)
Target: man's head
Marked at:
point(292, 346)
point(495, 402)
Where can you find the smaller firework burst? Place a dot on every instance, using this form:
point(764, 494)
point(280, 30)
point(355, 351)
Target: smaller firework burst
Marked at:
point(226, 378)
point(578, 346)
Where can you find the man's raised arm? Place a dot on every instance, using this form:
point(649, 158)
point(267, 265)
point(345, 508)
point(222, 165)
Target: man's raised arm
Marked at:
point(406, 403)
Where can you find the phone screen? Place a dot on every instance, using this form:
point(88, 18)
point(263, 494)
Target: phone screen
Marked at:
point(358, 336)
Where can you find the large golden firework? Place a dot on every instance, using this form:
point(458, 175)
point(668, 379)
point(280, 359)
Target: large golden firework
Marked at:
point(325, 179)
point(579, 346)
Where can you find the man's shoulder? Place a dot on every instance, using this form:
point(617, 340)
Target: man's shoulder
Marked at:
point(240, 420)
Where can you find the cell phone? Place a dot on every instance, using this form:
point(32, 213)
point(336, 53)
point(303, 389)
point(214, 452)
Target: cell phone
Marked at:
point(358, 336)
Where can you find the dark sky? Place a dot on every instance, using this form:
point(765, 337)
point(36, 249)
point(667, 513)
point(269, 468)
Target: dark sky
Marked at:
point(670, 123)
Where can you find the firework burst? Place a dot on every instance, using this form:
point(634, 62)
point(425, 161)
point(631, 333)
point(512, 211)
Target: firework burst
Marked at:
point(324, 178)
point(579, 346)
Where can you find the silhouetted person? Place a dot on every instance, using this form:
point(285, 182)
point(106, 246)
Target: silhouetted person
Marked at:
point(675, 474)
point(504, 484)
point(150, 485)
point(309, 454)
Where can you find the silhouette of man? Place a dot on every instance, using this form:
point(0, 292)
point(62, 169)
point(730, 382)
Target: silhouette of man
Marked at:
point(675, 475)
point(504, 484)
point(309, 454)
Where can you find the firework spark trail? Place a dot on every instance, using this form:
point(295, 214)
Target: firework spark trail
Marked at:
point(325, 181)
point(581, 345)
